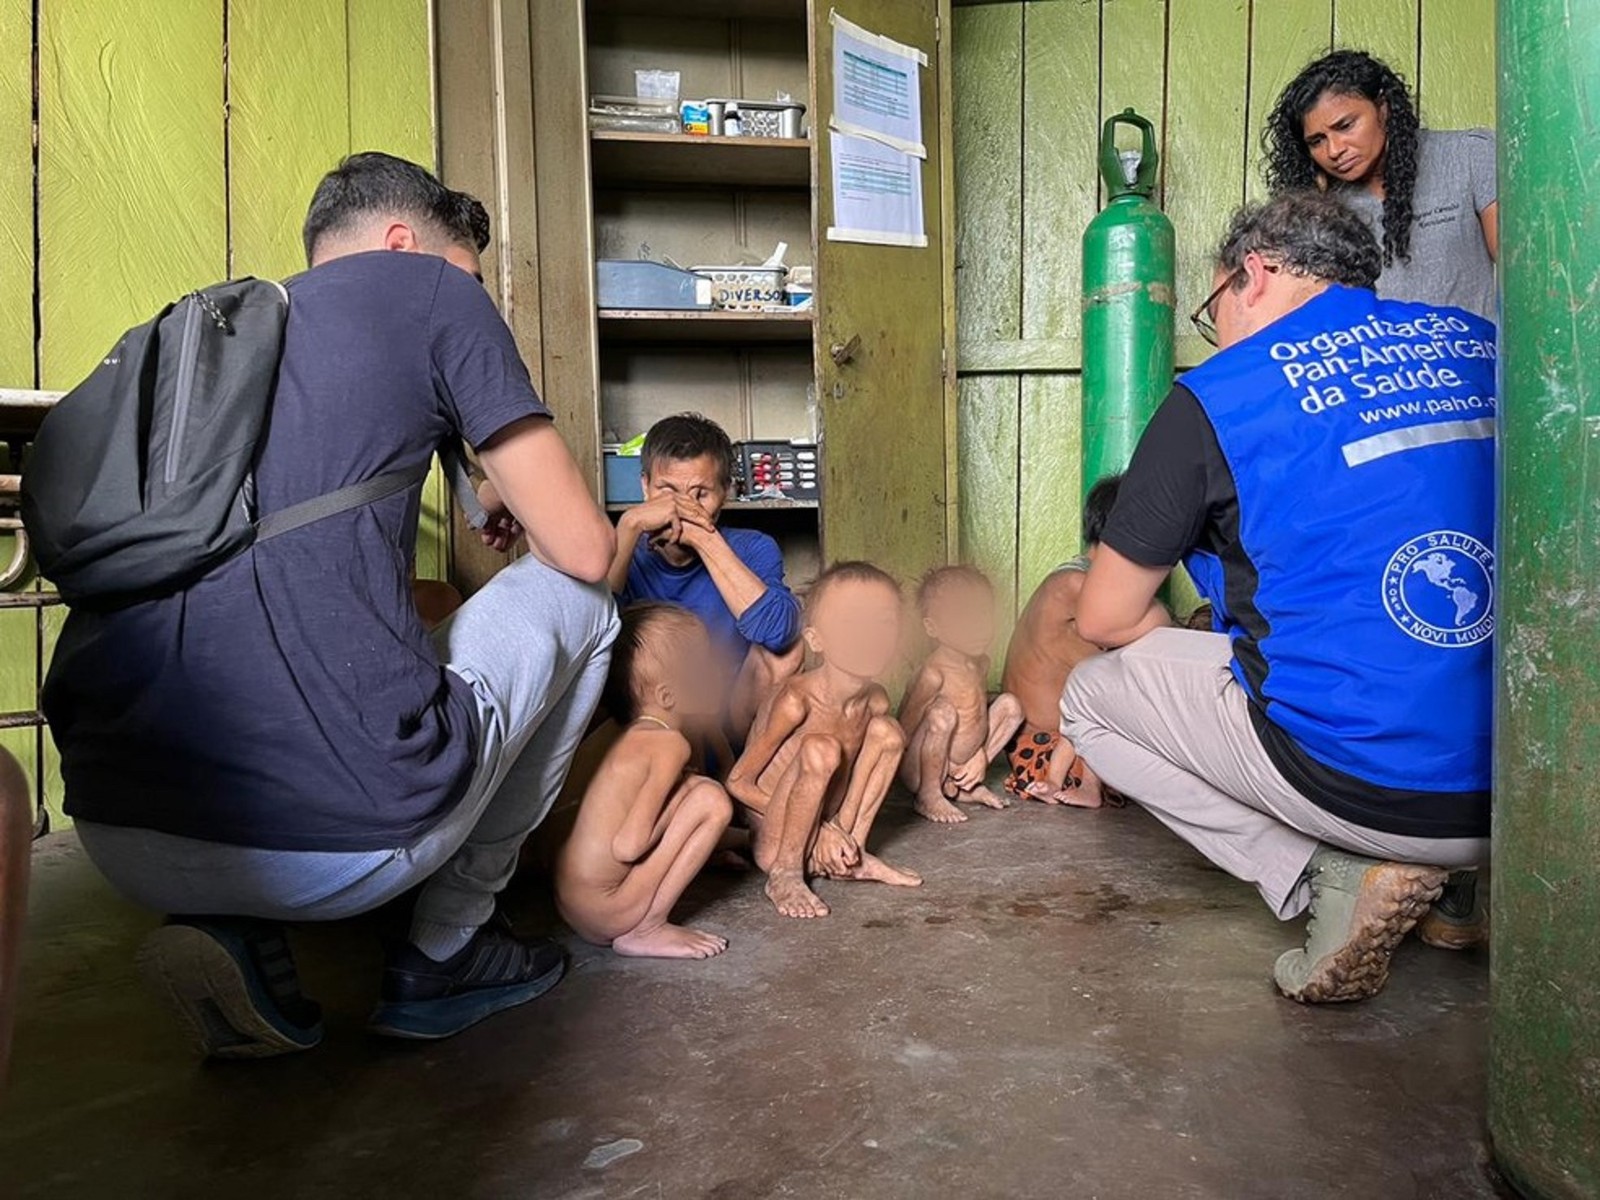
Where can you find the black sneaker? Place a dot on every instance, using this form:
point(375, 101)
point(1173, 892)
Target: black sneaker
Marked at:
point(425, 1000)
point(233, 982)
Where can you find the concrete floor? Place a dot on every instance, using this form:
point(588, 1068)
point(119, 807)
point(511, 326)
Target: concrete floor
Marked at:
point(1075, 1005)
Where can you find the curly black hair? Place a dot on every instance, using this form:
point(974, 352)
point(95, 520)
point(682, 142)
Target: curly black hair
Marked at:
point(1289, 164)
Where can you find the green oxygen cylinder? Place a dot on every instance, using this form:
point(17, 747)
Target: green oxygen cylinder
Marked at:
point(1128, 298)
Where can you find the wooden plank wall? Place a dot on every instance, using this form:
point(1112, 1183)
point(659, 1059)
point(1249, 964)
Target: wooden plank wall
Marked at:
point(1032, 83)
point(177, 143)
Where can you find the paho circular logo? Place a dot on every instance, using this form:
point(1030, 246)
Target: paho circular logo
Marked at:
point(1439, 589)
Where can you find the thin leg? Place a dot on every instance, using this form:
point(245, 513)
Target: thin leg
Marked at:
point(784, 833)
point(16, 834)
point(1005, 718)
point(1068, 780)
point(697, 817)
point(927, 762)
point(869, 783)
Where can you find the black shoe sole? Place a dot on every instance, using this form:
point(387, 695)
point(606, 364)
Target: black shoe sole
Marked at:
point(208, 988)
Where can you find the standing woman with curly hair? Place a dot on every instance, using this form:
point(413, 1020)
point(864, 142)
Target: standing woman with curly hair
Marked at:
point(1346, 125)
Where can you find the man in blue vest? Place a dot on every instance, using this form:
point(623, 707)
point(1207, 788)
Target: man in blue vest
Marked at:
point(1328, 481)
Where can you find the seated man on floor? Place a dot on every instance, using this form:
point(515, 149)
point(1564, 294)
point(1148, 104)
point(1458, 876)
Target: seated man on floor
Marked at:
point(671, 549)
point(1328, 480)
point(282, 741)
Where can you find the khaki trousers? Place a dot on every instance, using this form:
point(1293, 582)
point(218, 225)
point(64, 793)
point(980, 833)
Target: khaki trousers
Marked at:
point(1164, 722)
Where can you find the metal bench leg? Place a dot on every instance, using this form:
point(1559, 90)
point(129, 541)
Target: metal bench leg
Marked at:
point(16, 834)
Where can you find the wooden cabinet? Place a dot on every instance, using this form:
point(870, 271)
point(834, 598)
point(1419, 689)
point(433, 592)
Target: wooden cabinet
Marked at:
point(869, 368)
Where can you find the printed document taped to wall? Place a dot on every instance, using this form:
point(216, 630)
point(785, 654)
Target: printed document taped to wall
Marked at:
point(877, 87)
point(877, 193)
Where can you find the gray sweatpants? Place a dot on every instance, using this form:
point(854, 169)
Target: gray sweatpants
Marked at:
point(534, 645)
point(1165, 722)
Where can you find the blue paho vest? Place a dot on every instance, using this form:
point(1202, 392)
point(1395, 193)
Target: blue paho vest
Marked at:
point(1360, 433)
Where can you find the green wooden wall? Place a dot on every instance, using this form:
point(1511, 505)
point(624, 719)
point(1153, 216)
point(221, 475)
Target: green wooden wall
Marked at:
point(177, 142)
point(1032, 82)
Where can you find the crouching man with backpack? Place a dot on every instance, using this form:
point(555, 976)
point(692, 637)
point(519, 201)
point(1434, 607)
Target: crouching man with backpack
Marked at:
point(277, 739)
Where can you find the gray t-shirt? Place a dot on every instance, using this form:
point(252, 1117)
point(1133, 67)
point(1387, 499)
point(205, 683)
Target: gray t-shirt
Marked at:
point(1450, 263)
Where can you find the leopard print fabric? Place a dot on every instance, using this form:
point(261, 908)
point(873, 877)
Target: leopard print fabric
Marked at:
point(1029, 755)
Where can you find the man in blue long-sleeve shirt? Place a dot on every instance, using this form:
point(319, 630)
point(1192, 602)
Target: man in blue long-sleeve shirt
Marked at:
point(670, 549)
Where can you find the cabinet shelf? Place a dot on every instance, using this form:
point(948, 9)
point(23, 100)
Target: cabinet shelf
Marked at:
point(744, 506)
point(728, 10)
point(705, 325)
point(622, 158)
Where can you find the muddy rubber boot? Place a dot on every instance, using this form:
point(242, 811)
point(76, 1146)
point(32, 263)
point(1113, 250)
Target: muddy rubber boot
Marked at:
point(1459, 920)
point(1360, 910)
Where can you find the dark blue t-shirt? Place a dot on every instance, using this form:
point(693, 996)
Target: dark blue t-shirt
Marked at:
point(291, 700)
point(773, 621)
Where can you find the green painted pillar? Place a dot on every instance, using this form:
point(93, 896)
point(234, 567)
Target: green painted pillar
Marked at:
point(1544, 1068)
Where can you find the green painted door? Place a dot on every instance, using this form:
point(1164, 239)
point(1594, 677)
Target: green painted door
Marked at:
point(880, 341)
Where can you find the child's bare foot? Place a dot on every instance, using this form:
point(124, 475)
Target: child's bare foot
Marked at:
point(936, 808)
point(1046, 792)
point(792, 898)
point(1087, 794)
point(983, 796)
point(669, 941)
point(873, 869)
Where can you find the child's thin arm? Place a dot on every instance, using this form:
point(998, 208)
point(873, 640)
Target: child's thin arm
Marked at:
point(922, 692)
point(643, 826)
point(787, 713)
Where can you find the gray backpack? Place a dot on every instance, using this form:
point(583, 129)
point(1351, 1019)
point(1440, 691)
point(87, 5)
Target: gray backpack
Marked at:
point(141, 479)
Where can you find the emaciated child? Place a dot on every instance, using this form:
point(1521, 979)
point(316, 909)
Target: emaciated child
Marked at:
point(954, 732)
point(647, 825)
point(1044, 649)
point(824, 749)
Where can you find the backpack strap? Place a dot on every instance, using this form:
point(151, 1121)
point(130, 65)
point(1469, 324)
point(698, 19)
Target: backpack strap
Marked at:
point(453, 458)
point(368, 491)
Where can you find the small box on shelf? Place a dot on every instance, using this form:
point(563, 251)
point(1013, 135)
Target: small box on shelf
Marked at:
point(623, 482)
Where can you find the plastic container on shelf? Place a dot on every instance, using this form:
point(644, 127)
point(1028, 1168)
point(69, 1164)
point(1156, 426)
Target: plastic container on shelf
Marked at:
point(629, 114)
point(656, 84)
point(745, 289)
point(623, 482)
point(762, 118)
point(637, 283)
